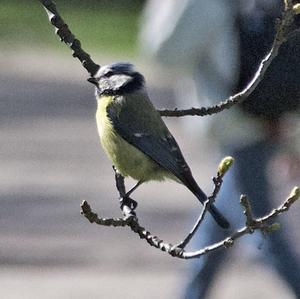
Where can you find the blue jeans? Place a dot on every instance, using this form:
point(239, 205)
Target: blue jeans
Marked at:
point(248, 176)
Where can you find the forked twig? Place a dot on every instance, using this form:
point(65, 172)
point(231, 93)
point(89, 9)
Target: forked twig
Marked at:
point(176, 251)
point(282, 33)
point(224, 166)
point(130, 218)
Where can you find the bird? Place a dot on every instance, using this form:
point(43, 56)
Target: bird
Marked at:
point(134, 136)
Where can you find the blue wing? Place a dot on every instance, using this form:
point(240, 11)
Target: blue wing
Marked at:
point(145, 130)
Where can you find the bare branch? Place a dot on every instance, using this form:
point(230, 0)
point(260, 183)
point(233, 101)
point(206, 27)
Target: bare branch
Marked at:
point(134, 225)
point(63, 31)
point(130, 218)
point(218, 182)
point(93, 217)
point(282, 32)
point(223, 167)
point(247, 209)
point(132, 222)
point(258, 224)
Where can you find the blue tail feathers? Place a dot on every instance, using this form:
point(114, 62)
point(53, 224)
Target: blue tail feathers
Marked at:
point(218, 217)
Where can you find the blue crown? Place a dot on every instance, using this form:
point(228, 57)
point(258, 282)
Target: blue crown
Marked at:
point(122, 67)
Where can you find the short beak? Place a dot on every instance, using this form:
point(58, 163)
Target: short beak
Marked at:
point(93, 81)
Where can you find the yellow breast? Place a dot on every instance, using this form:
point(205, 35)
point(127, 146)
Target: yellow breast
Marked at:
point(129, 160)
point(103, 123)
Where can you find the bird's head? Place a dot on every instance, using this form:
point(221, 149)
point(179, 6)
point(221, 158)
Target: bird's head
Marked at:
point(117, 78)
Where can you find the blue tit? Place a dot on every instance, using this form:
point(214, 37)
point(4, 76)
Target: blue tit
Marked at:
point(134, 135)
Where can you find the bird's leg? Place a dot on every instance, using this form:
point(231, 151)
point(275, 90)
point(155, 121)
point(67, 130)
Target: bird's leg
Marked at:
point(125, 200)
point(134, 187)
point(119, 182)
point(129, 201)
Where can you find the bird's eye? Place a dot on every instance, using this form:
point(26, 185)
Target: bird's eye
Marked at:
point(109, 73)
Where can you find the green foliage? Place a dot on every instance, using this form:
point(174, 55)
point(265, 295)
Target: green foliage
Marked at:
point(109, 27)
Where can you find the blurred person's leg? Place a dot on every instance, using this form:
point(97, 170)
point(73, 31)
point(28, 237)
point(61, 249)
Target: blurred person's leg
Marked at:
point(248, 176)
point(208, 266)
point(253, 180)
point(205, 268)
point(281, 255)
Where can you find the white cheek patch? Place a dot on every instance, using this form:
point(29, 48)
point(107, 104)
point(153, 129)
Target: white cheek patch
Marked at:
point(104, 84)
point(119, 80)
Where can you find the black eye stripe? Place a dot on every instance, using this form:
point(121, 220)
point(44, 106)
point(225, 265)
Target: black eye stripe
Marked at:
point(109, 73)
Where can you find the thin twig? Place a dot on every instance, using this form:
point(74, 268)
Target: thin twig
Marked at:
point(258, 224)
point(282, 33)
point(93, 217)
point(247, 210)
point(218, 180)
point(63, 31)
point(134, 225)
point(132, 222)
point(130, 219)
point(223, 167)
point(283, 29)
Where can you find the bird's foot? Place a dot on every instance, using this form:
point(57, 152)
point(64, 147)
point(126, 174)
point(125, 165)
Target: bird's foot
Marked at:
point(129, 202)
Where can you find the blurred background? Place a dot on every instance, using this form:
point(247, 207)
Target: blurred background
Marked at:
point(51, 160)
